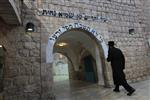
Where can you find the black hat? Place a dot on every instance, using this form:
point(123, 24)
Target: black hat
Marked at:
point(111, 43)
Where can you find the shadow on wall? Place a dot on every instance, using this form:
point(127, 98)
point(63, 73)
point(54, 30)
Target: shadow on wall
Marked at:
point(22, 78)
point(5, 28)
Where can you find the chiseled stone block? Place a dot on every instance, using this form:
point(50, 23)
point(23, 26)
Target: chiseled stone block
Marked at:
point(27, 74)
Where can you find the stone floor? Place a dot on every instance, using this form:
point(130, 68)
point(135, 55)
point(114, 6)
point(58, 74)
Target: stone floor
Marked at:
point(79, 90)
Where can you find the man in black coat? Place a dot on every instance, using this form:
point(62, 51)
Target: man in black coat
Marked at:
point(117, 59)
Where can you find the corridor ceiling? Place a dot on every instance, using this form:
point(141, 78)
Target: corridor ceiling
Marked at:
point(76, 41)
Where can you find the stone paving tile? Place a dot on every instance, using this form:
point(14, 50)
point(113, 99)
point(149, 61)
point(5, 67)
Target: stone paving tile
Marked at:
point(95, 92)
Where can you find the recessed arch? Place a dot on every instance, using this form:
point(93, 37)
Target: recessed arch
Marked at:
point(60, 68)
point(67, 27)
point(101, 49)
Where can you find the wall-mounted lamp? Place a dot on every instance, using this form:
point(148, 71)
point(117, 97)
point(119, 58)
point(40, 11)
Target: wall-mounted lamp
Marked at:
point(131, 31)
point(29, 27)
point(2, 47)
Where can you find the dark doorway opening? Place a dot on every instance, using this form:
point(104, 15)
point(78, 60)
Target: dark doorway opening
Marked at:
point(90, 69)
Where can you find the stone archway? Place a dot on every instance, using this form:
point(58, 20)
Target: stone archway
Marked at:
point(97, 36)
point(61, 30)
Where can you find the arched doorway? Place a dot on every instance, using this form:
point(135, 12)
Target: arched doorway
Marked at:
point(85, 49)
point(60, 68)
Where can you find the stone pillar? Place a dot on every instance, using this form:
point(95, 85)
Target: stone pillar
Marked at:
point(47, 82)
point(99, 67)
point(108, 81)
point(103, 70)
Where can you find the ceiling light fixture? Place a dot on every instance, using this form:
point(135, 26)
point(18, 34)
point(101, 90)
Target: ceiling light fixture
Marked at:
point(62, 44)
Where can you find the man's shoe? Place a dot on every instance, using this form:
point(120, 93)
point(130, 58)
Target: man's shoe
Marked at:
point(116, 90)
point(131, 92)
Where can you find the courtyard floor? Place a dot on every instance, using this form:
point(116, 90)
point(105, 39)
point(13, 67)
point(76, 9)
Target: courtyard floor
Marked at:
point(79, 90)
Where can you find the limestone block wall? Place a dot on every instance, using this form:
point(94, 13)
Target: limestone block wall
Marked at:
point(123, 15)
point(22, 64)
point(146, 13)
point(29, 77)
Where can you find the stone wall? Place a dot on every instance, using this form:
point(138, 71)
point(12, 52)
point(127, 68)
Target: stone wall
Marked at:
point(146, 14)
point(28, 77)
point(22, 64)
point(22, 76)
point(123, 15)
